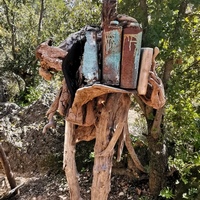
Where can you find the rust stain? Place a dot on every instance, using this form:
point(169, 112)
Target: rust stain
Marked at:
point(132, 37)
point(111, 54)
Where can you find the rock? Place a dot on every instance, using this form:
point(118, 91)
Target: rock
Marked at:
point(121, 194)
point(26, 147)
point(10, 86)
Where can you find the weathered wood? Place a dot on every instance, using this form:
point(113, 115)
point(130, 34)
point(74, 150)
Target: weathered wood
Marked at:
point(7, 169)
point(155, 96)
point(109, 11)
point(69, 163)
point(84, 115)
point(50, 59)
point(86, 94)
point(145, 67)
point(10, 194)
point(110, 122)
point(131, 150)
point(84, 133)
point(60, 104)
point(120, 145)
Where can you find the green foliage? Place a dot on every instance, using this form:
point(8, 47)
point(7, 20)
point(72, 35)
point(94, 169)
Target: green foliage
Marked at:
point(31, 95)
point(167, 193)
point(174, 26)
point(25, 24)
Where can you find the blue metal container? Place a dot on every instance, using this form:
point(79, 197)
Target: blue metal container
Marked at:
point(111, 54)
point(90, 69)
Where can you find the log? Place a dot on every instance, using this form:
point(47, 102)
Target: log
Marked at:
point(50, 59)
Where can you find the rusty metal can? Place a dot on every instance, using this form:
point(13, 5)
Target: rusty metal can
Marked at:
point(132, 37)
point(90, 69)
point(111, 53)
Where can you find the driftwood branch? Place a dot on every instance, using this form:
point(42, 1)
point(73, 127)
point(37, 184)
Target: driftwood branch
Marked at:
point(7, 169)
point(131, 151)
point(11, 193)
point(113, 141)
point(50, 59)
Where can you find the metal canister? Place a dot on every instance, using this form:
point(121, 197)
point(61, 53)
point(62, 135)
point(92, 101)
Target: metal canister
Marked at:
point(111, 53)
point(90, 69)
point(132, 37)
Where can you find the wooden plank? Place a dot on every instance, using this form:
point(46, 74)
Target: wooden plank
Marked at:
point(145, 67)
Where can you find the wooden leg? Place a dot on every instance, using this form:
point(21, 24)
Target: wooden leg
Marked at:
point(69, 163)
point(108, 128)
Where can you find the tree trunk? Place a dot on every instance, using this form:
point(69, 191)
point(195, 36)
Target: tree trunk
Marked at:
point(69, 162)
point(109, 127)
point(7, 168)
point(157, 149)
point(157, 165)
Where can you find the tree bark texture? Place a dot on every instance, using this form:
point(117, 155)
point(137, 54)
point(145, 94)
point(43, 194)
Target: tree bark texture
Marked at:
point(7, 169)
point(109, 127)
point(157, 165)
point(157, 149)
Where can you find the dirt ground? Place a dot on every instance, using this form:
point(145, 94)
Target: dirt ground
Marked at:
point(54, 187)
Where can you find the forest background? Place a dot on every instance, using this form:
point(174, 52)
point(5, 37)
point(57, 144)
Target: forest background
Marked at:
point(171, 25)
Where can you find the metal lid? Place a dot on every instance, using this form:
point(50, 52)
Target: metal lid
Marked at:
point(114, 23)
point(132, 24)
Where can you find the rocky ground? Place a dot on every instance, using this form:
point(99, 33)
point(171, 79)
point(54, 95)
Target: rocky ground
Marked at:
point(54, 187)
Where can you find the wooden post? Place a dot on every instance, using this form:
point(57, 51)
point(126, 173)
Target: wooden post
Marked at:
point(69, 162)
point(108, 129)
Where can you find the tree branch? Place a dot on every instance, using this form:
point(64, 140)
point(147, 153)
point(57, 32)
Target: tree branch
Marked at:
point(12, 28)
point(144, 9)
point(40, 20)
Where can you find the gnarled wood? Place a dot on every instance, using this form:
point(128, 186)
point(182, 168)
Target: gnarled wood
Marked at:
point(60, 104)
point(50, 59)
point(111, 117)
